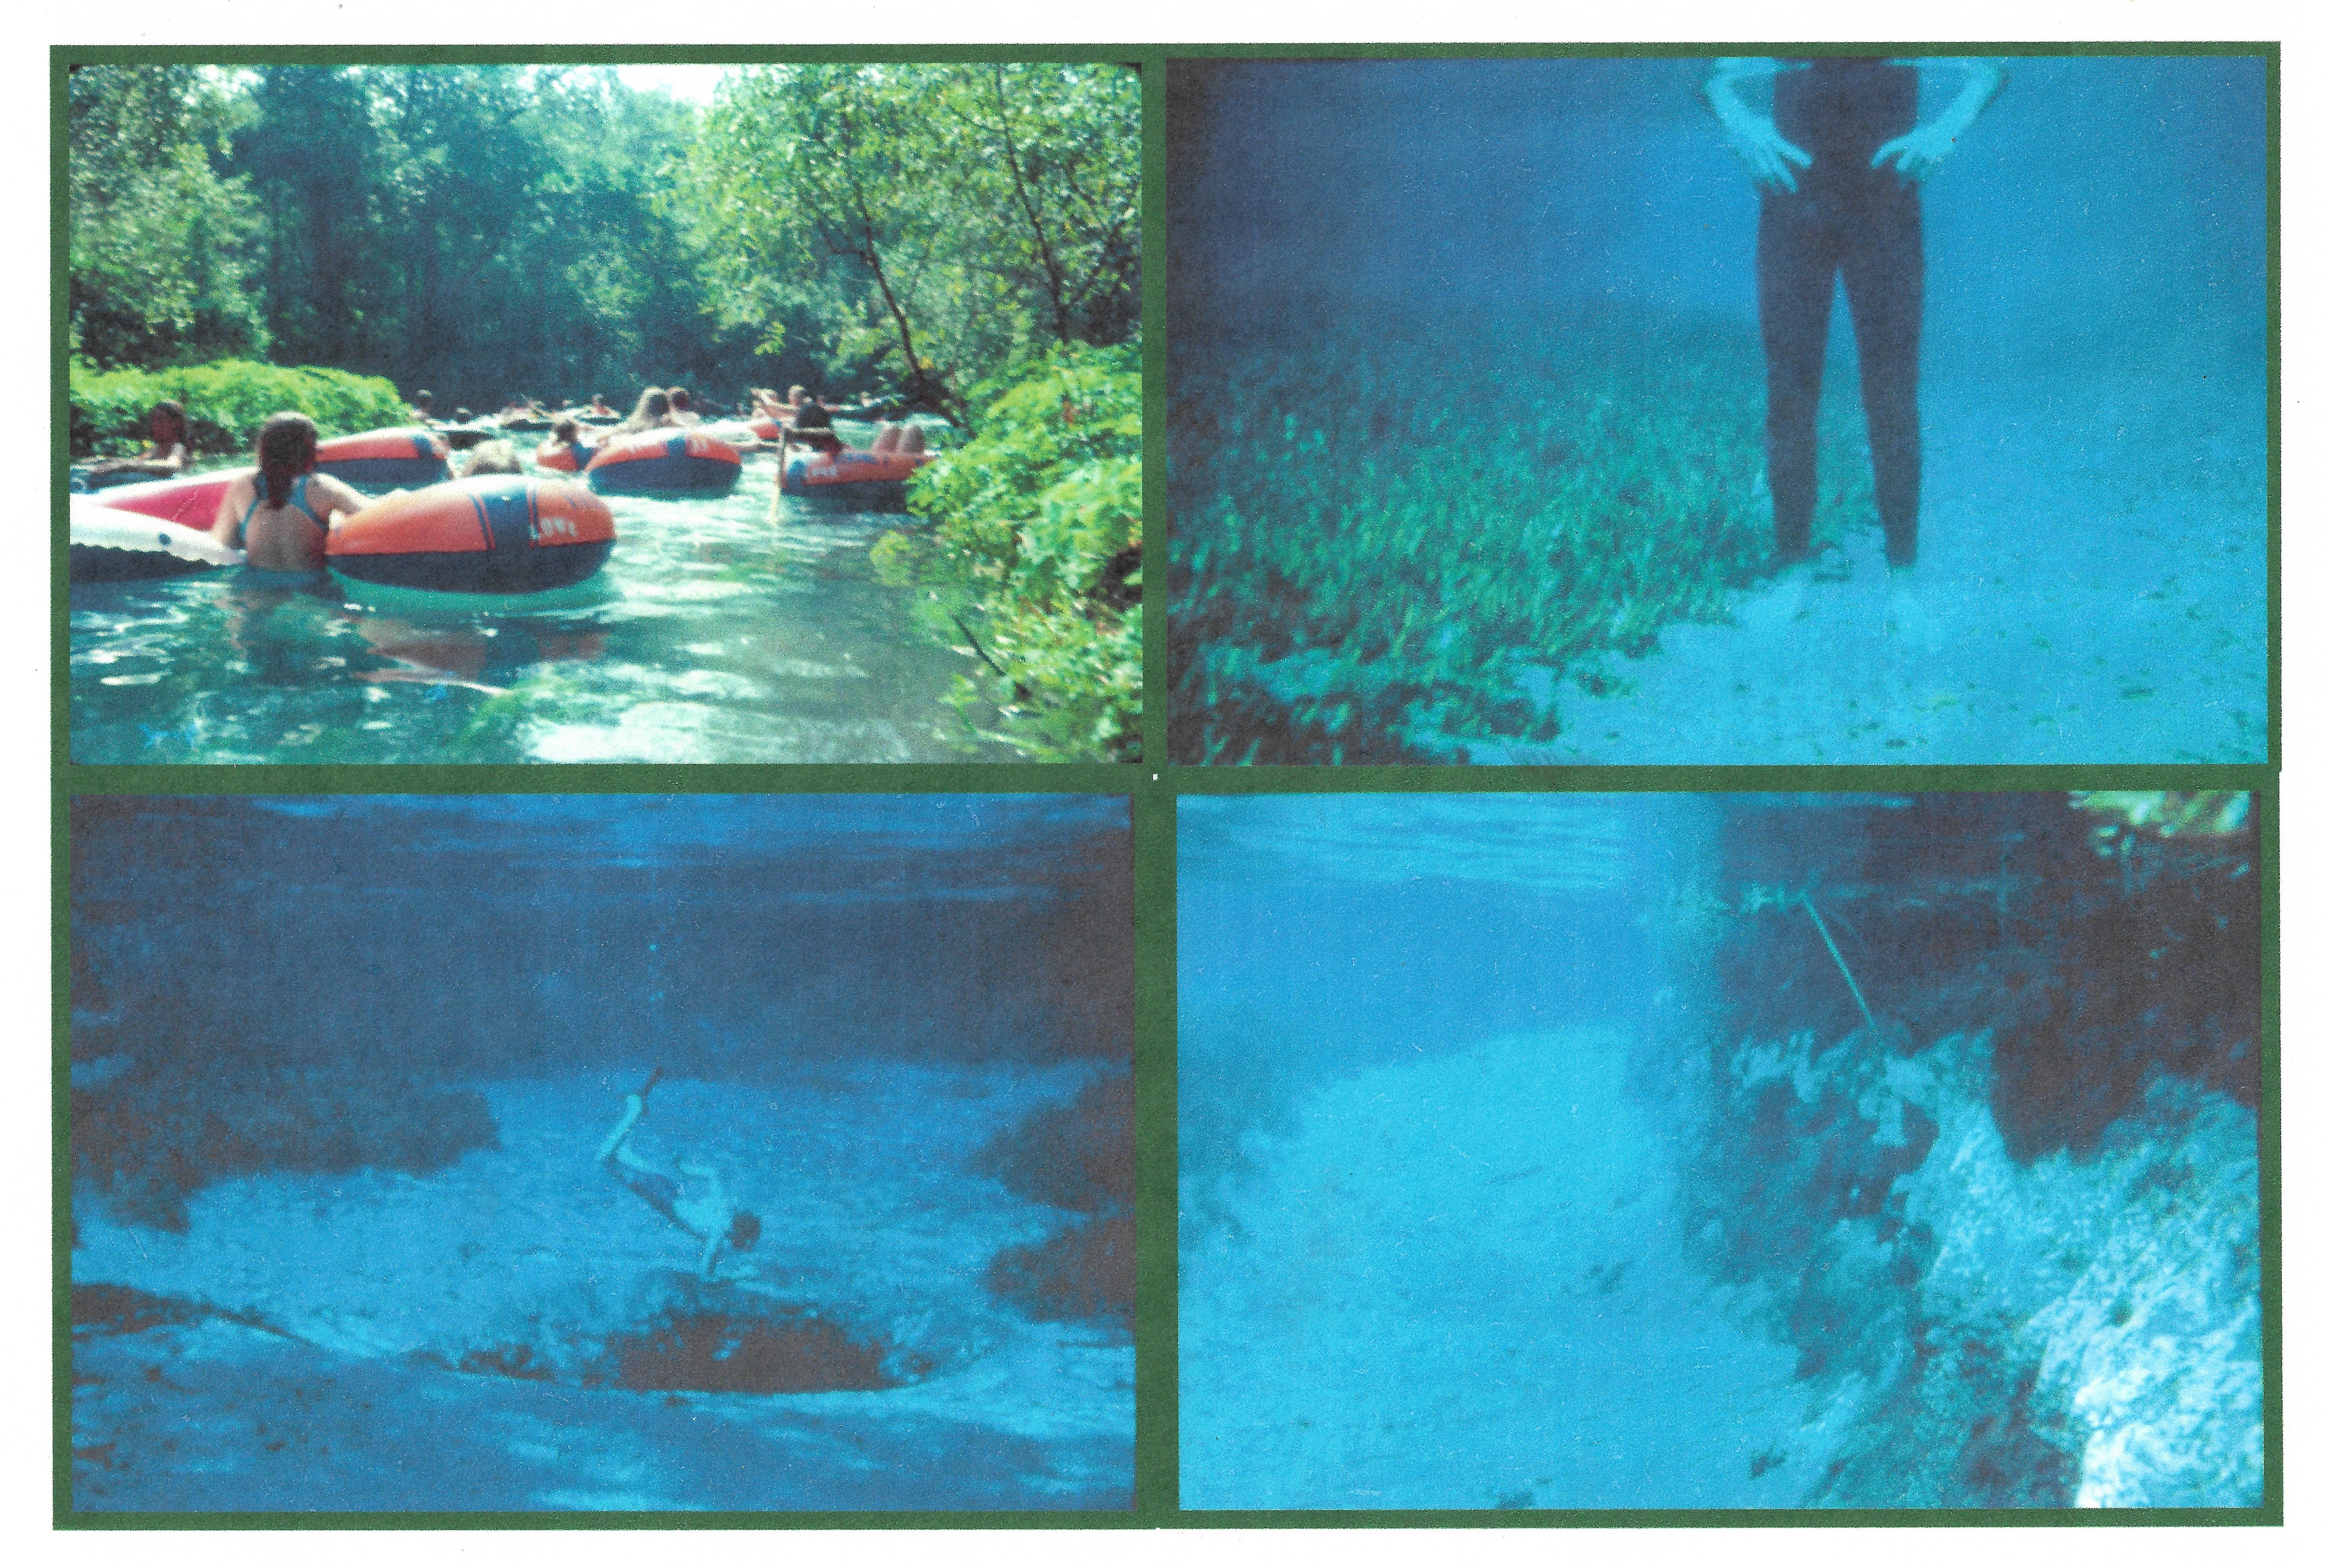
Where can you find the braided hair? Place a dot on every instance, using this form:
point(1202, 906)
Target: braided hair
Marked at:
point(286, 449)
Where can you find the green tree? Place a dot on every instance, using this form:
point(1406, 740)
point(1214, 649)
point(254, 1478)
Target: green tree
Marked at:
point(482, 230)
point(156, 237)
point(1068, 233)
point(945, 220)
point(314, 159)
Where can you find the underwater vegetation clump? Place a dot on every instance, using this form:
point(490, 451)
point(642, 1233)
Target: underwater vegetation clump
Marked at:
point(1382, 541)
point(149, 1138)
point(717, 1352)
point(1076, 1157)
point(2013, 1218)
point(1249, 1096)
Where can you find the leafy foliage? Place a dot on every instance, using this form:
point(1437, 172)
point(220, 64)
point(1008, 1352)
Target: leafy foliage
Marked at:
point(225, 403)
point(944, 218)
point(1035, 555)
point(157, 237)
point(1374, 536)
point(482, 230)
point(489, 231)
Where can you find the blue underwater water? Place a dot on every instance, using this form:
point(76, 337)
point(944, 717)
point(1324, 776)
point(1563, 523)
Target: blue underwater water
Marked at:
point(2092, 375)
point(2115, 205)
point(1532, 1155)
point(341, 1070)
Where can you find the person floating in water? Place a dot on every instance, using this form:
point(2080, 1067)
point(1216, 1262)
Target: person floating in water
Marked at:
point(693, 1201)
point(169, 448)
point(1839, 163)
point(282, 515)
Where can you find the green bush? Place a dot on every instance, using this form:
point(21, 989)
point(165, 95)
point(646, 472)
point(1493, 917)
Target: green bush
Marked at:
point(1375, 533)
point(226, 402)
point(1034, 557)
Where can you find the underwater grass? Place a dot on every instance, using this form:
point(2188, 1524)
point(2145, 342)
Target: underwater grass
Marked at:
point(1375, 536)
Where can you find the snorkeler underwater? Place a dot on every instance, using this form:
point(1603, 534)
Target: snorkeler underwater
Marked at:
point(1556, 1152)
point(1838, 410)
point(573, 1153)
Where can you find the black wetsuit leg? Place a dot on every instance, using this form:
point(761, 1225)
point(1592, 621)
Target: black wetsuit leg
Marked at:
point(1882, 271)
point(1795, 270)
point(1865, 226)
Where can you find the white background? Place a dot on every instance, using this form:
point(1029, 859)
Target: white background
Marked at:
point(26, 672)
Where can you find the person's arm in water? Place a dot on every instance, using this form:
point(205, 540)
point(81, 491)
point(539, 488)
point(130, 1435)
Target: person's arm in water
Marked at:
point(163, 461)
point(334, 499)
point(1919, 150)
point(225, 524)
point(1768, 157)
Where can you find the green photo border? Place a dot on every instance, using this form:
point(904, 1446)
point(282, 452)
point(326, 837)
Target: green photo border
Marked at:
point(1152, 789)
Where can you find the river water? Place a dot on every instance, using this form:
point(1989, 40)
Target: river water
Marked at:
point(715, 634)
point(856, 1000)
point(1430, 1251)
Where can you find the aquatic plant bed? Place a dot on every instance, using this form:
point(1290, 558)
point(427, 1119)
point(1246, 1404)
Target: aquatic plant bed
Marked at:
point(2015, 1222)
point(1383, 542)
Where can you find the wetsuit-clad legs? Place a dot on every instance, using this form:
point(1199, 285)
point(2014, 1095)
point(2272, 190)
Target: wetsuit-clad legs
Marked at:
point(1870, 234)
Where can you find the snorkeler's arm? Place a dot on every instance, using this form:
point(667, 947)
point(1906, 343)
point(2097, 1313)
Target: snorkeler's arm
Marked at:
point(1919, 150)
point(710, 1264)
point(1767, 156)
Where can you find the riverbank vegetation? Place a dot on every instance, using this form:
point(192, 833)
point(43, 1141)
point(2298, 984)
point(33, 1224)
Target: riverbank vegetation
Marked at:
point(477, 230)
point(957, 239)
point(1383, 542)
point(974, 230)
point(224, 403)
point(1033, 562)
point(952, 222)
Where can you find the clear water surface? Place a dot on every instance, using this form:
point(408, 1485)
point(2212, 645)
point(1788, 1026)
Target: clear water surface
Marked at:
point(716, 633)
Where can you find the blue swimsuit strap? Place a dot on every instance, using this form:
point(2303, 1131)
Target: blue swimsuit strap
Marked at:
point(298, 497)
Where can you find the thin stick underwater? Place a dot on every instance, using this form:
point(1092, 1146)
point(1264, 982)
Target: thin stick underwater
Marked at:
point(1839, 963)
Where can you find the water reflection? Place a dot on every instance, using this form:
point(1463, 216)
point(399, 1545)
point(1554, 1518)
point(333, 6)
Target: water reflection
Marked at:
point(722, 629)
